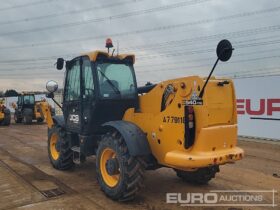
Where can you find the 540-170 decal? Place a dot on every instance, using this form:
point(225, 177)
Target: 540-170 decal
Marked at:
point(173, 119)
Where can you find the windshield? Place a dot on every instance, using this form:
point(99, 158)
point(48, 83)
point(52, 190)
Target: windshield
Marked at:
point(28, 99)
point(116, 80)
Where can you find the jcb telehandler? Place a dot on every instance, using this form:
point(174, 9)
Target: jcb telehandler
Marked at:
point(27, 109)
point(5, 114)
point(188, 124)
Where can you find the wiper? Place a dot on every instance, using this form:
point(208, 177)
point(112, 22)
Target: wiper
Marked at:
point(115, 89)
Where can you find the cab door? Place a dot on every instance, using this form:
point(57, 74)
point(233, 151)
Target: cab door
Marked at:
point(72, 97)
point(88, 96)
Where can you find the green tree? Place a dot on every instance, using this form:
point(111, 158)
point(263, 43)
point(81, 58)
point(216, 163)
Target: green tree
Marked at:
point(10, 93)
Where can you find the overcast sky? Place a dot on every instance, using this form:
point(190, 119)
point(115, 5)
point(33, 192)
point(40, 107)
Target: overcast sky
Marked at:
point(169, 38)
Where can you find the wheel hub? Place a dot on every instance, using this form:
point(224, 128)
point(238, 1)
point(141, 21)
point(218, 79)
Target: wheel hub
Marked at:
point(112, 166)
point(58, 145)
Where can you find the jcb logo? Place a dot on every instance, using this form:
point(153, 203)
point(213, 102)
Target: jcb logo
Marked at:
point(74, 118)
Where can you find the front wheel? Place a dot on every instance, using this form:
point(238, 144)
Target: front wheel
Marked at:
point(59, 149)
point(7, 117)
point(27, 116)
point(200, 176)
point(119, 174)
point(40, 120)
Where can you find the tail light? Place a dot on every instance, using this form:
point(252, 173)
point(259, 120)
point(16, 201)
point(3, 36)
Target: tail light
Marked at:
point(189, 126)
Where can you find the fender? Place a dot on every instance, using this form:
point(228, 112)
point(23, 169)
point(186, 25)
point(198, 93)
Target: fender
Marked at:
point(59, 119)
point(135, 139)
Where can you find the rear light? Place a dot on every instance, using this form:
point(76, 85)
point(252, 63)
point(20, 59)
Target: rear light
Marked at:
point(189, 126)
point(190, 109)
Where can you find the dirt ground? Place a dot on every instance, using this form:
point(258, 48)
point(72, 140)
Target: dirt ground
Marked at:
point(28, 181)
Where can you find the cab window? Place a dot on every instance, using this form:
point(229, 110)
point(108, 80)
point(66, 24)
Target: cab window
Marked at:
point(88, 80)
point(116, 80)
point(72, 88)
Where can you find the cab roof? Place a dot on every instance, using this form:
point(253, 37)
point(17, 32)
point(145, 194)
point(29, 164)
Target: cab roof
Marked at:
point(94, 55)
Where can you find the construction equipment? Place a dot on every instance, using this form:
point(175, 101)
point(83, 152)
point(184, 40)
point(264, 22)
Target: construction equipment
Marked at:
point(27, 109)
point(188, 124)
point(5, 114)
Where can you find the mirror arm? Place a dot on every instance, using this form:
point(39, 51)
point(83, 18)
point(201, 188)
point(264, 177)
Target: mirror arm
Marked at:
point(57, 103)
point(202, 90)
point(51, 95)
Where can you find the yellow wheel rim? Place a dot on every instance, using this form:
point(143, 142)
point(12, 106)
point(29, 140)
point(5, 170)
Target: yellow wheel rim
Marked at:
point(110, 180)
point(53, 142)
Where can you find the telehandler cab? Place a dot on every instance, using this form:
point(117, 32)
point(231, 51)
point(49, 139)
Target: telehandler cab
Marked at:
point(5, 114)
point(188, 124)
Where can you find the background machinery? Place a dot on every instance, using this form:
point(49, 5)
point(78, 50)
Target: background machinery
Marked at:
point(188, 124)
point(5, 114)
point(27, 109)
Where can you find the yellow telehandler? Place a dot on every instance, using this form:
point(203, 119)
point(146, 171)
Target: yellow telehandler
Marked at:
point(5, 114)
point(27, 109)
point(188, 124)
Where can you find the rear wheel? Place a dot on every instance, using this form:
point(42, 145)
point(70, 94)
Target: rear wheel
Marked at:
point(59, 149)
point(119, 174)
point(200, 176)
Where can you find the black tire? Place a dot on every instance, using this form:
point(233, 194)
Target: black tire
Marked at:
point(40, 120)
point(65, 158)
point(17, 119)
point(200, 176)
point(7, 118)
point(131, 169)
point(27, 116)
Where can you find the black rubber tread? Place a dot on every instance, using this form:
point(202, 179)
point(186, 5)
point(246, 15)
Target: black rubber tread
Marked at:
point(39, 120)
point(65, 160)
point(200, 176)
point(16, 117)
point(7, 119)
point(27, 116)
point(131, 169)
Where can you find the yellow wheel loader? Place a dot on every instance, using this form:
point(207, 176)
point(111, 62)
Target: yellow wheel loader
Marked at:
point(5, 114)
point(27, 109)
point(188, 124)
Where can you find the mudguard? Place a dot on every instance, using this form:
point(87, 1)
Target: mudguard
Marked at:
point(59, 120)
point(135, 139)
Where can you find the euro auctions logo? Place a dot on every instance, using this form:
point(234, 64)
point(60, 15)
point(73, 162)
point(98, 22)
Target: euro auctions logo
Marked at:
point(241, 198)
point(259, 107)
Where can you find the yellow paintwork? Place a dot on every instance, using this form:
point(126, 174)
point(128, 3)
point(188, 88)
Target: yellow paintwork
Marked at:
point(93, 55)
point(216, 124)
point(46, 112)
point(110, 180)
point(2, 115)
point(53, 142)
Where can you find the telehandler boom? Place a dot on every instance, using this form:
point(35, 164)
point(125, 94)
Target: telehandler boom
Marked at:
point(188, 124)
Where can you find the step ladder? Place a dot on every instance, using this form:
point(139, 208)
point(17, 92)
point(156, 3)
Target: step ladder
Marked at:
point(78, 158)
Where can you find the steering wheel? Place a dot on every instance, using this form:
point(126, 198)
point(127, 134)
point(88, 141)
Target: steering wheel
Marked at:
point(89, 91)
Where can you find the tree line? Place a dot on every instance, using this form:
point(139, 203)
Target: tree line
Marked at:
point(13, 93)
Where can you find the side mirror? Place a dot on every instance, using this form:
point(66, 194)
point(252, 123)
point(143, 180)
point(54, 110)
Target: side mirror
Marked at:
point(59, 63)
point(51, 86)
point(224, 50)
